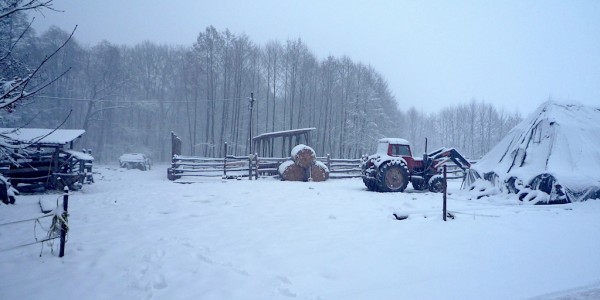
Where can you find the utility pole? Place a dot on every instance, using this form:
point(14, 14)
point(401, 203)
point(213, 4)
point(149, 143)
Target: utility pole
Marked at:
point(250, 129)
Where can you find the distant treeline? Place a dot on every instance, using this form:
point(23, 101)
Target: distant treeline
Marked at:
point(129, 99)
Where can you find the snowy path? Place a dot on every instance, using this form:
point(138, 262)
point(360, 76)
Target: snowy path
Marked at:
point(135, 235)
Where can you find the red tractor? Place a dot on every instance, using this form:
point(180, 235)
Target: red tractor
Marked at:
point(393, 166)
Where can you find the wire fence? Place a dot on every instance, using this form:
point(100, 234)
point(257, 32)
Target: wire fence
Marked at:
point(57, 229)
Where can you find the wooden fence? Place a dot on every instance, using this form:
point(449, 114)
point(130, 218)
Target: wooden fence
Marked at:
point(251, 167)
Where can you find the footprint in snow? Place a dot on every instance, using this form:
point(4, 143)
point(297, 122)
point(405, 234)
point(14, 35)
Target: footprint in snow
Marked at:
point(286, 292)
point(160, 282)
point(283, 279)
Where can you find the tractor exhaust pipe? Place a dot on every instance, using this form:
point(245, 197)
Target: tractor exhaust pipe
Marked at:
point(425, 157)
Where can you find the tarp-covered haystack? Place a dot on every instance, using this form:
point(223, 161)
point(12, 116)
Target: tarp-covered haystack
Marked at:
point(303, 166)
point(551, 157)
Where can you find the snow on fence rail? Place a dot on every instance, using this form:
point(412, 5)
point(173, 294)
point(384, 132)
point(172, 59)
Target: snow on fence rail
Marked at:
point(227, 167)
point(250, 166)
point(58, 227)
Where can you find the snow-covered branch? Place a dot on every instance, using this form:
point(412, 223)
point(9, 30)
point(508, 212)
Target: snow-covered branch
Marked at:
point(12, 6)
point(13, 90)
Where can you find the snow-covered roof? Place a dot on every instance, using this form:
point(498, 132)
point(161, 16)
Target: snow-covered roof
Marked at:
point(562, 140)
point(394, 141)
point(283, 133)
point(42, 135)
point(80, 155)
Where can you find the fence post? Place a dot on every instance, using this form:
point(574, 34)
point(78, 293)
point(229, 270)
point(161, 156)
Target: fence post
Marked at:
point(329, 162)
point(445, 192)
point(63, 227)
point(250, 159)
point(225, 163)
point(255, 166)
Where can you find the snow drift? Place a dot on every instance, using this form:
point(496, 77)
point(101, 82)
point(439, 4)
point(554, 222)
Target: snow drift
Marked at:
point(556, 150)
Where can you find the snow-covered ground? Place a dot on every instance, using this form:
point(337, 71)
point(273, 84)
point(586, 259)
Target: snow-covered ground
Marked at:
point(136, 235)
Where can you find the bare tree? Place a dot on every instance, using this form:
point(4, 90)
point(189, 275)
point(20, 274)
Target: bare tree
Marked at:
point(24, 81)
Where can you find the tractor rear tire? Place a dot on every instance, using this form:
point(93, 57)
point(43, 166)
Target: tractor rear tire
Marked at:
point(392, 177)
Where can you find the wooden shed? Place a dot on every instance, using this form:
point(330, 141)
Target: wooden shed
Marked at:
point(45, 157)
point(282, 142)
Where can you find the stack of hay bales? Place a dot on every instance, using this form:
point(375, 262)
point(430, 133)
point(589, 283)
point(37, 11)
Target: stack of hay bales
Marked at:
point(303, 166)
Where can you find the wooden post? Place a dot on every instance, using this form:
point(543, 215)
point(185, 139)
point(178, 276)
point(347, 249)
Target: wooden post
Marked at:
point(255, 166)
point(329, 162)
point(63, 227)
point(445, 192)
point(175, 145)
point(225, 162)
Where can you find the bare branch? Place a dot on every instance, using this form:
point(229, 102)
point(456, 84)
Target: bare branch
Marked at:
point(17, 90)
point(29, 5)
point(9, 51)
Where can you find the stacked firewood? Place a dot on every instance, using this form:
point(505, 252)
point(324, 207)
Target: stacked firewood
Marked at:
point(303, 166)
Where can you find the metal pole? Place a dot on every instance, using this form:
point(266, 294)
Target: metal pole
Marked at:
point(63, 227)
point(225, 162)
point(445, 192)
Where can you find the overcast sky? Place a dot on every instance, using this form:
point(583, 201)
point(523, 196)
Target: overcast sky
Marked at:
point(514, 54)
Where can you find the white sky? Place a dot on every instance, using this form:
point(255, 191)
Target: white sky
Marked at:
point(514, 54)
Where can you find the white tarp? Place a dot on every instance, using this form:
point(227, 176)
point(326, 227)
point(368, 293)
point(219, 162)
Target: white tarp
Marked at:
point(559, 139)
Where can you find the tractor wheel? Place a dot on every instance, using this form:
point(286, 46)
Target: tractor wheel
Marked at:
point(419, 184)
point(392, 177)
point(436, 184)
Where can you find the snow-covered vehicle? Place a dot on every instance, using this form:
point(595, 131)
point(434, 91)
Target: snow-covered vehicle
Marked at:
point(393, 166)
point(135, 161)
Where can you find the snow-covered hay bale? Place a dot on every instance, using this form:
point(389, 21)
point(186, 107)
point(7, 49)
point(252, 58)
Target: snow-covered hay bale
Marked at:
point(319, 171)
point(290, 171)
point(303, 155)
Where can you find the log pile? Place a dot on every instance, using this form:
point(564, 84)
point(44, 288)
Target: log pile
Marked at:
point(303, 166)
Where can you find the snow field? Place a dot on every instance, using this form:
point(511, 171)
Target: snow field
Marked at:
point(136, 235)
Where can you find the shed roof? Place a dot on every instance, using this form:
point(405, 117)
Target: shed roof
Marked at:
point(283, 133)
point(42, 135)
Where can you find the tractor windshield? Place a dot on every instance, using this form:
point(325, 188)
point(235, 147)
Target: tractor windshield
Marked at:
point(400, 150)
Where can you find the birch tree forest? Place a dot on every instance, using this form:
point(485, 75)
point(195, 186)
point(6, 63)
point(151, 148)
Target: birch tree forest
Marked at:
point(129, 98)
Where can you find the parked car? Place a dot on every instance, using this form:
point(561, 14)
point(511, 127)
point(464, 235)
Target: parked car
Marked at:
point(135, 161)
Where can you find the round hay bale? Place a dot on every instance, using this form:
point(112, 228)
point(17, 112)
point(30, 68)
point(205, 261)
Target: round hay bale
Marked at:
point(289, 171)
point(319, 171)
point(303, 155)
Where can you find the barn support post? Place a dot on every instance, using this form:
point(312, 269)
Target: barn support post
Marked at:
point(445, 193)
point(63, 223)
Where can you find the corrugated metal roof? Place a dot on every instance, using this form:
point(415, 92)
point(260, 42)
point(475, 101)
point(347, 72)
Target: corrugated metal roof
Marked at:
point(42, 135)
